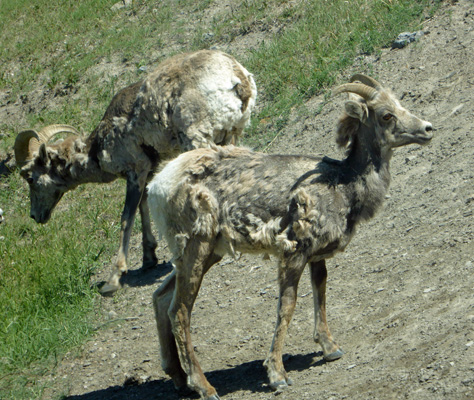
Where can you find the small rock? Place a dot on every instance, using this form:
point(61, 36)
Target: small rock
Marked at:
point(457, 110)
point(406, 38)
point(121, 4)
point(207, 36)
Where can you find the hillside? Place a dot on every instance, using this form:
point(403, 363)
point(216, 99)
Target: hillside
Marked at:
point(400, 299)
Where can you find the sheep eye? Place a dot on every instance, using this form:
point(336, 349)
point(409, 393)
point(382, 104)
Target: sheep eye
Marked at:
point(387, 117)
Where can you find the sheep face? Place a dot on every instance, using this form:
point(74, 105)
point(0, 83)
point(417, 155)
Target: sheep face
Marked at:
point(394, 125)
point(47, 186)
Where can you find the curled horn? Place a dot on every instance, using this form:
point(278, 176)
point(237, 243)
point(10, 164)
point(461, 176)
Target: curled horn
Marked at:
point(366, 80)
point(29, 141)
point(366, 92)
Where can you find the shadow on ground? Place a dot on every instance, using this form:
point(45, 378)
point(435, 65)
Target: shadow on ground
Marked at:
point(146, 276)
point(249, 376)
point(142, 276)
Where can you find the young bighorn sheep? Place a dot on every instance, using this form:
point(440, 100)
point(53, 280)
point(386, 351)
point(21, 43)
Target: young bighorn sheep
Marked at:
point(301, 209)
point(191, 100)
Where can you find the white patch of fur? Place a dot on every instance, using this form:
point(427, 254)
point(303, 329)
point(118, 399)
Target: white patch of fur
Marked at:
point(218, 90)
point(266, 232)
point(160, 189)
point(119, 123)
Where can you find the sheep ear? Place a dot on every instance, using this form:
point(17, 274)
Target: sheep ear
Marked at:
point(79, 145)
point(43, 155)
point(357, 109)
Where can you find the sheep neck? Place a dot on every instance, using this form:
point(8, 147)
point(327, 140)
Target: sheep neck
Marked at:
point(85, 167)
point(368, 163)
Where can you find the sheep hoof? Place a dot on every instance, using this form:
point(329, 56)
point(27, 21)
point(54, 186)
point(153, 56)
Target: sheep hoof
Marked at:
point(279, 386)
point(149, 264)
point(214, 397)
point(108, 289)
point(334, 356)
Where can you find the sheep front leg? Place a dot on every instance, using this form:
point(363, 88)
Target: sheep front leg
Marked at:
point(322, 335)
point(149, 242)
point(288, 278)
point(135, 189)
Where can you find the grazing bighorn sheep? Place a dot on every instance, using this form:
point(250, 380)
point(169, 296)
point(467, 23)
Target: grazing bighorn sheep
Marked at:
point(191, 100)
point(303, 210)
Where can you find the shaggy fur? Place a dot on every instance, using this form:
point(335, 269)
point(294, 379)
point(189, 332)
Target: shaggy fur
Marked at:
point(211, 202)
point(191, 100)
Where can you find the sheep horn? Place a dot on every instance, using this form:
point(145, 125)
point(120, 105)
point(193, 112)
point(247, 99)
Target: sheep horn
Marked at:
point(29, 141)
point(366, 92)
point(366, 80)
point(24, 146)
point(49, 131)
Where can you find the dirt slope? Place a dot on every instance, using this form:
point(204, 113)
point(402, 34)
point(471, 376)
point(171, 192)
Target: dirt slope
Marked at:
point(400, 299)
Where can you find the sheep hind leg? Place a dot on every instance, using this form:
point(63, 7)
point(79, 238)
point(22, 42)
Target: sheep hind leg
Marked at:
point(322, 335)
point(288, 279)
point(149, 241)
point(169, 353)
point(194, 262)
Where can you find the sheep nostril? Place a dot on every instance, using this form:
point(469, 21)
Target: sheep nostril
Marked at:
point(429, 128)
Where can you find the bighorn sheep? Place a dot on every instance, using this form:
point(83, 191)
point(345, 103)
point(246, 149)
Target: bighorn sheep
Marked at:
point(302, 210)
point(191, 100)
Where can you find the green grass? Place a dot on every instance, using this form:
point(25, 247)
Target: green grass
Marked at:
point(323, 38)
point(47, 306)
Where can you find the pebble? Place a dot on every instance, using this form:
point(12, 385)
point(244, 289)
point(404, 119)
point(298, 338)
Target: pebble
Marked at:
point(121, 4)
point(457, 110)
point(406, 38)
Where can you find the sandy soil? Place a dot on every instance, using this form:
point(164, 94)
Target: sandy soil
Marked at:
point(400, 299)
